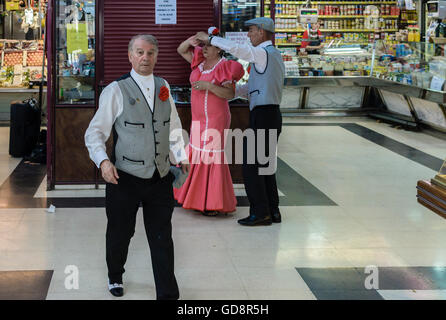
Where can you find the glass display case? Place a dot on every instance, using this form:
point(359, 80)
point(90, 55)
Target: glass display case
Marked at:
point(414, 63)
point(336, 59)
point(411, 63)
point(75, 52)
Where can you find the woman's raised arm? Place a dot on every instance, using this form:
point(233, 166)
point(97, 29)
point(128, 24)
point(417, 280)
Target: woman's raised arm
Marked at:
point(183, 48)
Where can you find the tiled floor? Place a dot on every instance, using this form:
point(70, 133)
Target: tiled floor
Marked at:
point(347, 190)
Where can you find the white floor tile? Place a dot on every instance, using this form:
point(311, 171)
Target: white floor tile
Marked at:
point(373, 257)
point(268, 279)
point(11, 214)
point(412, 256)
point(223, 278)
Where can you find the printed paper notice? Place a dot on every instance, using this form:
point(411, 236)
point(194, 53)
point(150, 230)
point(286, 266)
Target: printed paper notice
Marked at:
point(238, 37)
point(77, 38)
point(437, 83)
point(166, 11)
point(409, 5)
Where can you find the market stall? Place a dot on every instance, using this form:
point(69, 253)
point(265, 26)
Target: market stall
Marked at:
point(22, 52)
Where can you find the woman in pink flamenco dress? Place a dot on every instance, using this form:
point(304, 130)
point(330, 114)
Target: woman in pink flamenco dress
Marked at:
point(209, 187)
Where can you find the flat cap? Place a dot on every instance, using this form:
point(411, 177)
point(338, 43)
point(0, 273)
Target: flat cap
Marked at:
point(261, 22)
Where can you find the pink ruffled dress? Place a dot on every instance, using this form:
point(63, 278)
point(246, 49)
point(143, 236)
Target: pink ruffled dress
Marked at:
point(209, 184)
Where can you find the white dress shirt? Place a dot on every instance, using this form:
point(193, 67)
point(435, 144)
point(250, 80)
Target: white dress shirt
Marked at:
point(245, 52)
point(111, 106)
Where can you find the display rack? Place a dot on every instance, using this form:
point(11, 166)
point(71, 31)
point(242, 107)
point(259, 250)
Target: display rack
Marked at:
point(340, 30)
point(341, 20)
point(333, 2)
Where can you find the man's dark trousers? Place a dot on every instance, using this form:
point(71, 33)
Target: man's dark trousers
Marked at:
point(122, 203)
point(261, 189)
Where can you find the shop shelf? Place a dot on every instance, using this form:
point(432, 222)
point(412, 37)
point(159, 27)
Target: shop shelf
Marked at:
point(357, 30)
point(290, 30)
point(353, 16)
point(339, 30)
point(288, 44)
point(335, 2)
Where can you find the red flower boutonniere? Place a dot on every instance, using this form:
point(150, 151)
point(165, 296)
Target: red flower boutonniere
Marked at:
point(164, 93)
point(215, 32)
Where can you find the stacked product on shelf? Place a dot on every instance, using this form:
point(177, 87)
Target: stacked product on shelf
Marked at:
point(21, 62)
point(409, 63)
point(327, 65)
point(349, 21)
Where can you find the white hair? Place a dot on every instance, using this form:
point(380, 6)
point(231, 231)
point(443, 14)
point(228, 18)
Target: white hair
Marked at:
point(146, 37)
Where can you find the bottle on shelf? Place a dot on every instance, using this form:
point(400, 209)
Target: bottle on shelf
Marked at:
point(410, 37)
point(417, 36)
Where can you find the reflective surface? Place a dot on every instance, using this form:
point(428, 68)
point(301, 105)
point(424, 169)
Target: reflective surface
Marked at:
point(75, 51)
point(235, 13)
point(416, 64)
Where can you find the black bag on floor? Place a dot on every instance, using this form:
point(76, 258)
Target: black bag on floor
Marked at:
point(38, 155)
point(24, 128)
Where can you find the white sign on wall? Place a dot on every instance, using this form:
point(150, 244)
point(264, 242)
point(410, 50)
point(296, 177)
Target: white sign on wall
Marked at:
point(238, 37)
point(166, 11)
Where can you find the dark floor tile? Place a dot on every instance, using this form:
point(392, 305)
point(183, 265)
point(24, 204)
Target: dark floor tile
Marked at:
point(298, 191)
point(313, 124)
point(333, 279)
point(25, 285)
point(402, 149)
point(404, 278)
point(436, 276)
point(347, 295)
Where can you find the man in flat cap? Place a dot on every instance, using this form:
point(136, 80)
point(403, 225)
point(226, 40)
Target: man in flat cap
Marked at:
point(264, 91)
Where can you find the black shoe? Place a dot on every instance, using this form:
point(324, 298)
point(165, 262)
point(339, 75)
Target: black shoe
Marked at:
point(116, 289)
point(253, 220)
point(175, 297)
point(209, 213)
point(276, 216)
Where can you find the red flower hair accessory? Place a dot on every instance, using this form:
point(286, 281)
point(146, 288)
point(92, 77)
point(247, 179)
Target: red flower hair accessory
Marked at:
point(213, 31)
point(164, 93)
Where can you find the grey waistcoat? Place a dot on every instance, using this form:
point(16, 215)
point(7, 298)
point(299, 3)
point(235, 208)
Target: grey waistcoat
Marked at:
point(141, 137)
point(266, 88)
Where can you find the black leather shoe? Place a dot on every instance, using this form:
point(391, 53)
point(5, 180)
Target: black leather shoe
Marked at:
point(253, 220)
point(276, 216)
point(175, 297)
point(116, 289)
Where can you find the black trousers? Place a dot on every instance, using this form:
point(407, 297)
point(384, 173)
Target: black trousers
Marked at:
point(261, 189)
point(122, 203)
